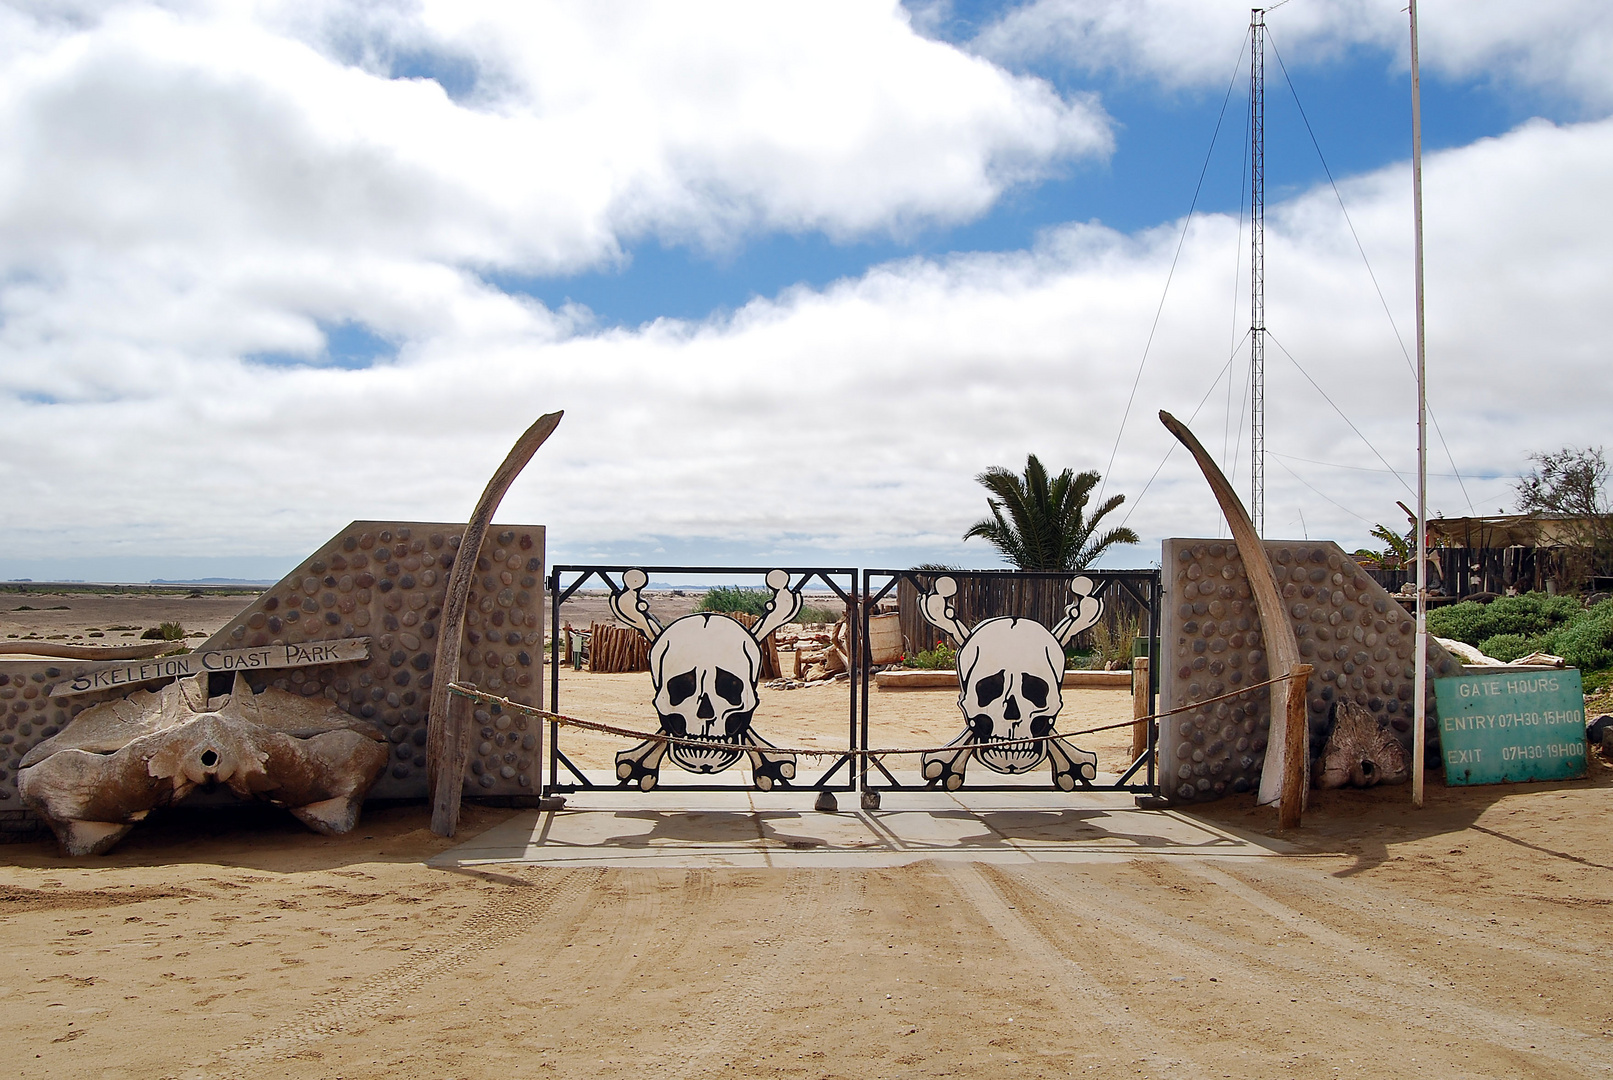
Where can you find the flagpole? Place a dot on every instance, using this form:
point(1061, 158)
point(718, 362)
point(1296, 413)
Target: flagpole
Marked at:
point(1420, 724)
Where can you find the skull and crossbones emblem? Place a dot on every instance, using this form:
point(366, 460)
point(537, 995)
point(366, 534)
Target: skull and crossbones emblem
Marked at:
point(705, 668)
point(1010, 674)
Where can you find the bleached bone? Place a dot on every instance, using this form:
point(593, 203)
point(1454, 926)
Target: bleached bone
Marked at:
point(1360, 752)
point(117, 761)
point(1083, 613)
point(632, 608)
point(937, 608)
point(779, 609)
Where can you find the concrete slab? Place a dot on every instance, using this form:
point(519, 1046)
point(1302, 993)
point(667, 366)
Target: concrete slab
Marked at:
point(747, 828)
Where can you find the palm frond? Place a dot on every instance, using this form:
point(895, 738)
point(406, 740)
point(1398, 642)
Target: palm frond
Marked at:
point(1041, 523)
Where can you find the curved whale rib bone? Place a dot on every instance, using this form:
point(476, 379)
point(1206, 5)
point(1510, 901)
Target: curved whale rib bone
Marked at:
point(1274, 624)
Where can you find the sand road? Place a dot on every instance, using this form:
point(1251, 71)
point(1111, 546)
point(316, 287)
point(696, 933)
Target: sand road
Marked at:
point(1470, 940)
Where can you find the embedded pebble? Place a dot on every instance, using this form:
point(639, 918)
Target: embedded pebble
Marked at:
point(381, 578)
point(1218, 749)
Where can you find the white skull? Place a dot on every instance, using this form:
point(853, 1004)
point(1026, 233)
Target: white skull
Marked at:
point(704, 668)
point(1011, 671)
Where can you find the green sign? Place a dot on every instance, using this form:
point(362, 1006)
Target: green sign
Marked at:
point(1511, 726)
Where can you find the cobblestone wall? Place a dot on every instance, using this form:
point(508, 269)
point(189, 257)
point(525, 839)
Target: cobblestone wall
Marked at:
point(1358, 638)
point(385, 581)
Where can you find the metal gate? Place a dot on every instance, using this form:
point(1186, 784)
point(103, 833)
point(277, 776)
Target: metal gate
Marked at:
point(1017, 624)
point(707, 665)
point(705, 672)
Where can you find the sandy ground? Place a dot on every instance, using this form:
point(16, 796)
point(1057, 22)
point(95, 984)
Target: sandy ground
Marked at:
point(79, 618)
point(1471, 938)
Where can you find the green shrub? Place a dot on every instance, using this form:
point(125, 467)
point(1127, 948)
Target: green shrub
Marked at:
point(1586, 643)
point(1597, 681)
point(1508, 646)
point(168, 631)
point(730, 598)
point(1530, 615)
point(941, 658)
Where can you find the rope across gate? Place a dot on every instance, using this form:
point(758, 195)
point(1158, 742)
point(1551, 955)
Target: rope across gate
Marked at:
point(472, 694)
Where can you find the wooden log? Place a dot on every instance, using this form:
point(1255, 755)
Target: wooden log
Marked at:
point(142, 651)
point(1139, 707)
point(1296, 752)
point(1281, 644)
point(448, 732)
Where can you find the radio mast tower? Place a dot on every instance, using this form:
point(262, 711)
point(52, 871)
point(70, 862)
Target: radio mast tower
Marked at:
point(1257, 268)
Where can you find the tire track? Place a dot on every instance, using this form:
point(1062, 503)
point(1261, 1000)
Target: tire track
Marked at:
point(1392, 991)
point(1085, 1000)
point(813, 903)
point(626, 906)
point(1323, 895)
point(505, 913)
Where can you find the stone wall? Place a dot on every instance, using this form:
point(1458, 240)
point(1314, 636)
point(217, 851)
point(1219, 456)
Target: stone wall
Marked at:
point(1358, 638)
point(377, 579)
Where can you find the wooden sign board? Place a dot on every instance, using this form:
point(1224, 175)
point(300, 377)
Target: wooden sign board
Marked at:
point(1512, 726)
point(263, 658)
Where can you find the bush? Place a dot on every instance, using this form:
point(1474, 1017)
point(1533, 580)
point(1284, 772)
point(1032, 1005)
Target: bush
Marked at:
point(730, 598)
point(1598, 681)
point(941, 658)
point(1530, 615)
point(168, 631)
point(1114, 645)
point(1508, 646)
point(1586, 643)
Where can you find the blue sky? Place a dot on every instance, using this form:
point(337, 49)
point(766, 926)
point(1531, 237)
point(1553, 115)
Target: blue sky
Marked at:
point(1358, 105)
point(796, 273)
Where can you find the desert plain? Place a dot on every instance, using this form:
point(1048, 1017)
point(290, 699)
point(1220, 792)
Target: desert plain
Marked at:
point(1472, 937)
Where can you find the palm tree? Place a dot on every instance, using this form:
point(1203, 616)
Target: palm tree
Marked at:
point(1046, 527)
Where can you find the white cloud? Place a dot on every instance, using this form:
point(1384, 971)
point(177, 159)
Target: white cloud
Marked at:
point(588, 123)
point(204, 181)
point(844, 420)
point(1565, 47)
point(185, 189)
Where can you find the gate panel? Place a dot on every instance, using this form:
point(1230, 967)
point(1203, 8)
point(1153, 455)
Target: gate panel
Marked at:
point(999, 722)
point(711, 711)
